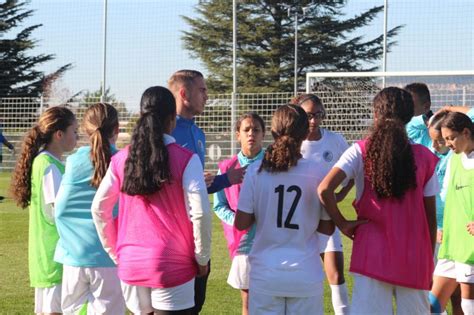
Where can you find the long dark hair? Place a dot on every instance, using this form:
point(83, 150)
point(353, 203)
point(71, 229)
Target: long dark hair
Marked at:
point(100, 122)
point(52, 120)
point(289, 129)
point(458, 122)
point(389, 164)
point(147, 168)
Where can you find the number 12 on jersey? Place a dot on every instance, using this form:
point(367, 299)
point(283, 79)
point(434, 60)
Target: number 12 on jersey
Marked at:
point(280, 190)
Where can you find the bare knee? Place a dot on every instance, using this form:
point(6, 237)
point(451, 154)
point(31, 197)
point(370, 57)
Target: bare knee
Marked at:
point(334, 267)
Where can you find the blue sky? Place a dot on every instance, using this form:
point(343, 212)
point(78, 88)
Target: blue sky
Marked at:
point(144, 45)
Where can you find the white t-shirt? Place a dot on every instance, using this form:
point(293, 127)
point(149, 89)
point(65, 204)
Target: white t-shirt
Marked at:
point(326, 151)
point(352, 164)
point(51, 182)
point(284, 260)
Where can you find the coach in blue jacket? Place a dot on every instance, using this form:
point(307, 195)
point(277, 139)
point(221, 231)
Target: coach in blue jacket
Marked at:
point(190, 91)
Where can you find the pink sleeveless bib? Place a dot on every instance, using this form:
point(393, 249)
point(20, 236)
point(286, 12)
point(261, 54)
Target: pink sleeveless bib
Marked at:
point(155, 243)
point(232, 235)
point(395, 245)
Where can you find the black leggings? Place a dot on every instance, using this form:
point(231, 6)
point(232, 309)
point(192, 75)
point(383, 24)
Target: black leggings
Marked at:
point(200, 285)
point(188, 311)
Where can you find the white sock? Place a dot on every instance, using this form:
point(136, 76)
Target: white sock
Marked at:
point(340, 299)
point(467, 306)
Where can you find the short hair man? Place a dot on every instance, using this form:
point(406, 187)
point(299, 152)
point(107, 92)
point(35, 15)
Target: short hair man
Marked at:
point(190, 91)
point(417, 127)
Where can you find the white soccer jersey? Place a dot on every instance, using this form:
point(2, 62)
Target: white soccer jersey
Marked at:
point(284, 260)
point(326, 150)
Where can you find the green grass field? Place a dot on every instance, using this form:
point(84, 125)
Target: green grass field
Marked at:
point(17, 296)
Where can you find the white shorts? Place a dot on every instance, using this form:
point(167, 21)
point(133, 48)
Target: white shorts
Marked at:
point(372, 296)
point(99, 287)
point(463, 273)
point(48, 300)
point(330, 243)
point(143, 300)
point(263, 304)
point(239, 272)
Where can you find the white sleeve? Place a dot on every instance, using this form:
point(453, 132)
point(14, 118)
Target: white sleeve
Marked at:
point(351, 162)
point(247, 190)
point(432, 186)
point(199, 209)
point(51, 183)
point(102, 212)
point(342, 146)
point(343, 143)
point(324, 214)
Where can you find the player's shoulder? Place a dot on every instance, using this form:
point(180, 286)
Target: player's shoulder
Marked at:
point(334, 136)
point(307, 167)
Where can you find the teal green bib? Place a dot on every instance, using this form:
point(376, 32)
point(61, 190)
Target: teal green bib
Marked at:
point(458, 244)
point(43, 236)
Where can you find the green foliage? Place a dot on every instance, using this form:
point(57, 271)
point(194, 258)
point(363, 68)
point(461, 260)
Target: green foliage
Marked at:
point(18, 297)
point(265, 39)
point(90, 98)
point(87, 98)
point(18, 74)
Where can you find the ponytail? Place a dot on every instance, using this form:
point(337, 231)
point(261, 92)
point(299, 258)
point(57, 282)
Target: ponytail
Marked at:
point(389, 163)
point(100, 123)
point(147, 165)
point(21, 184)
point(101, 154)
point(52, 120)
point(289, 129)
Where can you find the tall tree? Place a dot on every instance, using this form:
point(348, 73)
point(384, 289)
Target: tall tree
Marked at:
point(18, 68)
point(265, 39)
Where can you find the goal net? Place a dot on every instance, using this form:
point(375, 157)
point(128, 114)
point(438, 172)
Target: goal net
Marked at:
point(347, 96)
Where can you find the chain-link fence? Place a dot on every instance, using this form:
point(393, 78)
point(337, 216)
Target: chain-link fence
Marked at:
point(348, 113)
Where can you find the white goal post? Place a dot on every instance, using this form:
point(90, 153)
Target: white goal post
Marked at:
point(347, 96)
point(381, 74)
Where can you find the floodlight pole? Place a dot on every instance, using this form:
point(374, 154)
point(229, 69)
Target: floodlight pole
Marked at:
point(104, 56)
point(295, 88)
point(234, 77)
point(304, 9)
point(296, 52)
point(384, 56)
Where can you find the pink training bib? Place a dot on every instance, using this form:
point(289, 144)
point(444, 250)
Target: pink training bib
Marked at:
point(155, 243)
point(395, 245)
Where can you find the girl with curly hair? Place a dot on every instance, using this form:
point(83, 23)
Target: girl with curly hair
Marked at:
point(35, 183)
point(395, 231)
